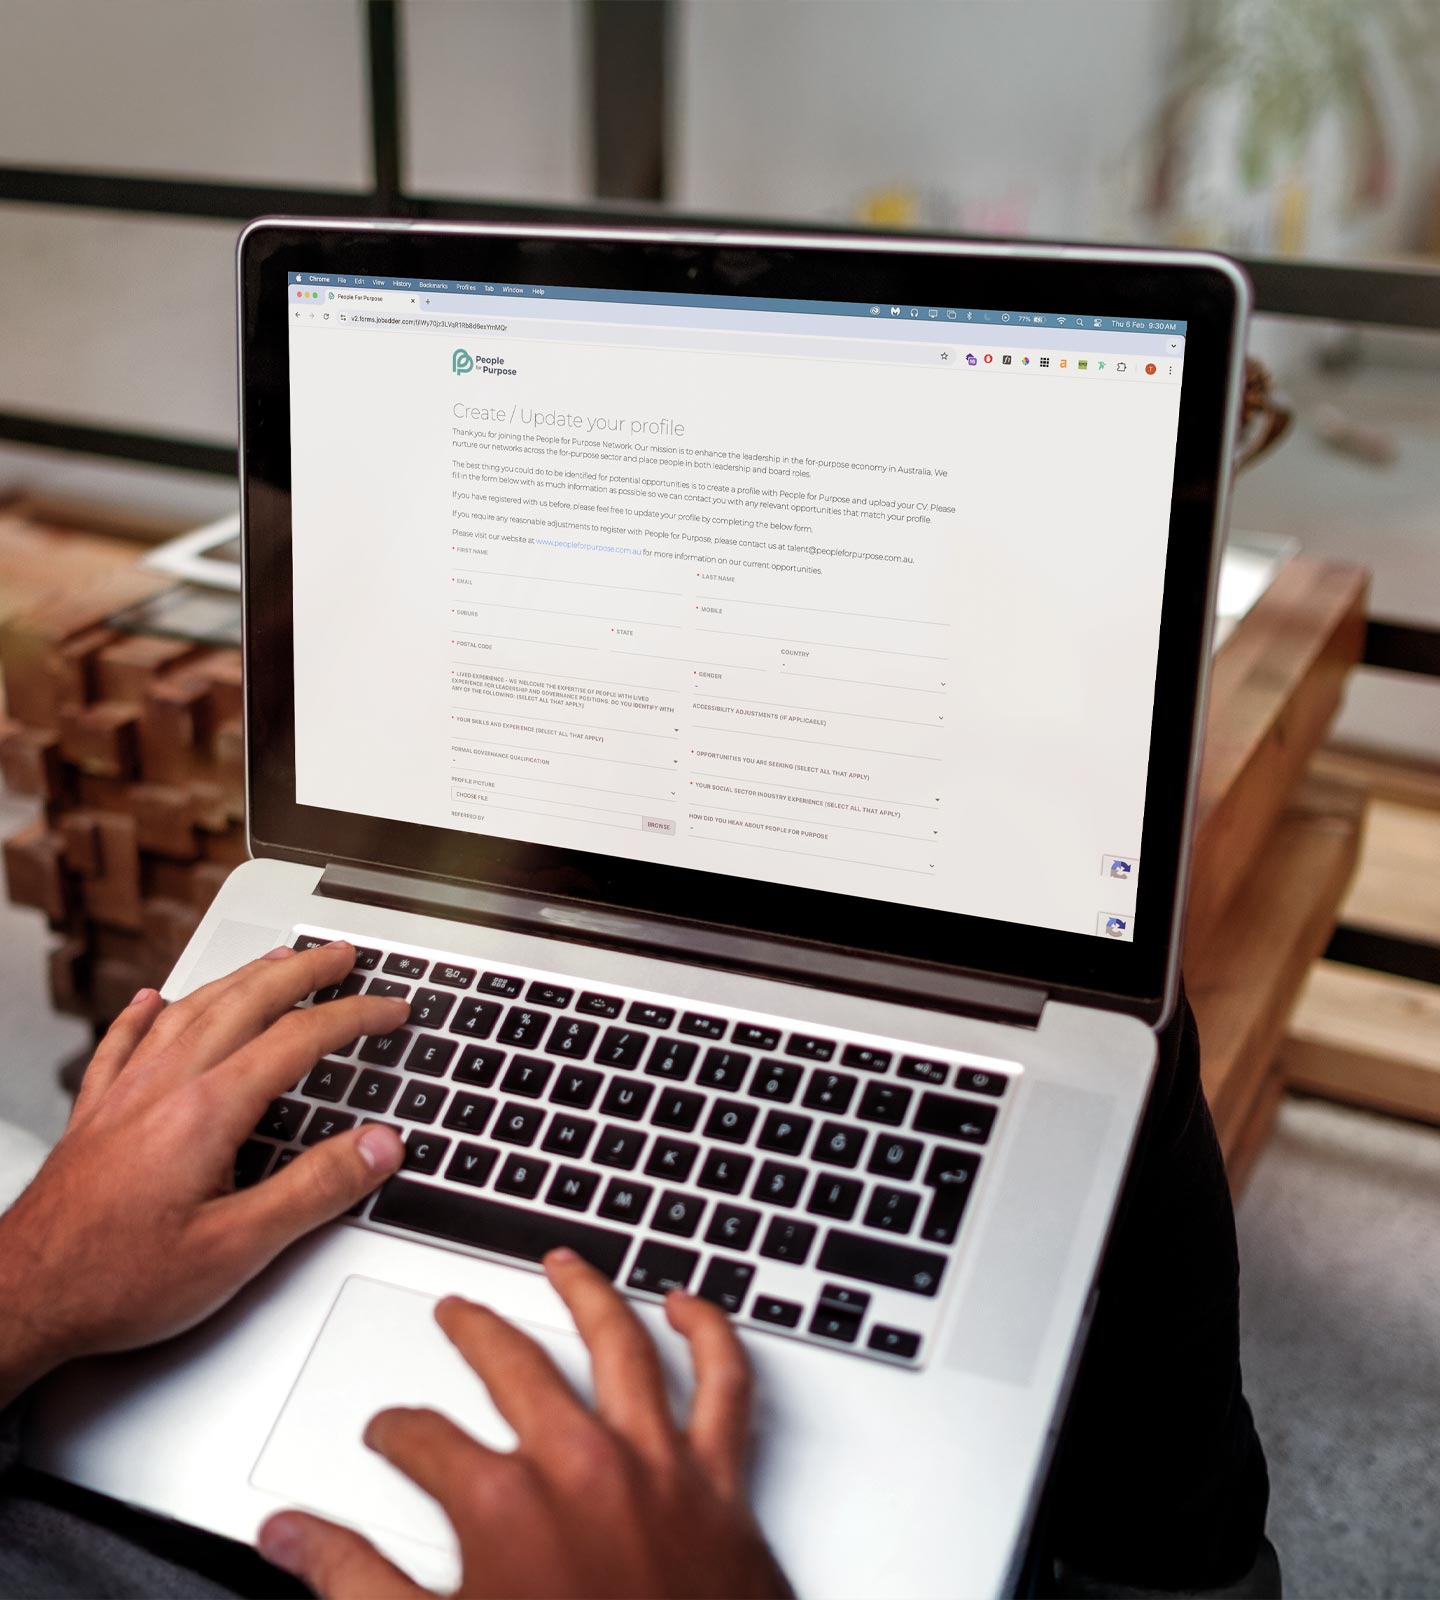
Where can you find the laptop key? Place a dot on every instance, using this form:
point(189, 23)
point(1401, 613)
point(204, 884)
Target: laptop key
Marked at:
point(517, 1124)
point(884, 1102)
point(951, 1173)
point(894, 1341)
point(573, 1188)
point(891, 1210)
point(424, 1152)
point(783, 1313)
point(421, 1101)
point(924, 1070)
point(678, 1213)
point(785, 1133)
point(328, 1080)
point(527, 1075)
point(522, 1177)
point(671, 1058)
point(866, 1057)
point(386, 1049)
point(775, 1080)
point(892, 1266)
point(951, 1118)
point(549, 994)
point(756, 1037)
point(472, 1164)
point(779, 1184)
point(659, 1268)
point(374, 1091)
point(388, 989)
point(404, 966)
point(576, 1087)
point(523, 1026)
point(430, 1055)
point(252, 1158)
point(839, 1144)
point(620, 1147)
point(326, 1124)
point(724, 1171)
point(831, 1091)
point(809, 1048)
point(351, 984)
point(701, 1026)
point(726, 1283)
point(622, 1047)
point(429, 1008)
point(732, 1226)
point(786, 1240)
point(834, 1322)
point(500, 983)
point(571, 1038)
point(672, 1158)
point(624, 1201)
point(650, 1016)
point(452, 977)
point(568, 1136)
point(678, 1109)
point(894, 1157)
point(283, 1119)
point(591, 1004)
point(309, 941)
point(730, 1120)
point(479, 1065)
point(475, 1019)
point(468, 1113)
point(366, 958)
point(981, 1082)
point(507, 1230)
point(723, 1069)
point(627, 1100)
point(834, 1197)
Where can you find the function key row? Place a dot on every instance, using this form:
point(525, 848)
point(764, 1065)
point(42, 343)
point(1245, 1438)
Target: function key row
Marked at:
point(430, 1010)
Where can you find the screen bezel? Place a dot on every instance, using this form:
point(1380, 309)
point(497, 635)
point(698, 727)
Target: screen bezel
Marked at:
point(1207, 292)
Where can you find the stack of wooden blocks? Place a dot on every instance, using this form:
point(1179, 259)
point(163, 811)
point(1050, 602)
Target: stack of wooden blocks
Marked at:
point(134, 744)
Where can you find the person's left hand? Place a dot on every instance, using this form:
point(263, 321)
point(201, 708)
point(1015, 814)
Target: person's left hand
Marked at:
point(132, 1231)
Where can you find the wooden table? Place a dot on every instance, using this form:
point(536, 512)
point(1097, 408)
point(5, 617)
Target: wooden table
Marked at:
point(134, 747)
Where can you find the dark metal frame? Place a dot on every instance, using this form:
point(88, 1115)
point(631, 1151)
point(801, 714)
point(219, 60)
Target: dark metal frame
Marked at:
point(628, 107)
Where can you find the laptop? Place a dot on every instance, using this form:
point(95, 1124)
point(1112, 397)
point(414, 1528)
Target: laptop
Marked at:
point(745, 691)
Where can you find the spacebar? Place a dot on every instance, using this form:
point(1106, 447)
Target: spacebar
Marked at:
point(507, 1230)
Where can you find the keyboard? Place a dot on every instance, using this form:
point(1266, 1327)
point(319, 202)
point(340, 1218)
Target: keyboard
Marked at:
point(813, 1182)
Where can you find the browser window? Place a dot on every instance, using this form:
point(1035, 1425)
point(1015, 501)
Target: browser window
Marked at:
point(858, 598)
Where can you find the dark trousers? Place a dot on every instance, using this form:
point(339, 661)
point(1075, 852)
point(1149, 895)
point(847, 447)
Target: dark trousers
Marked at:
point(1160, 1479)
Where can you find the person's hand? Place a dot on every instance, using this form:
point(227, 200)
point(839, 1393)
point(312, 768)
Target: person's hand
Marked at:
point(132, 1230)
point(618, 1501)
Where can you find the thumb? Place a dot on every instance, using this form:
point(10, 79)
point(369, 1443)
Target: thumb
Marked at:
point(336, 1563)
point(320, 1185)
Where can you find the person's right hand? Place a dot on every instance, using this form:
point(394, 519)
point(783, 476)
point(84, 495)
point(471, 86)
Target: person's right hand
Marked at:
point(615, 1501)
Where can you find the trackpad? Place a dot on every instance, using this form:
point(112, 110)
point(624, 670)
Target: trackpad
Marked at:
point(380, 1346)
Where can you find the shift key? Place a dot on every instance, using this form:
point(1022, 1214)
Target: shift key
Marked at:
point(953, 1118)
point(894, 1266)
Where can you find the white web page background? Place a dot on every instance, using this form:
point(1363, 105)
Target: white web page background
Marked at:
point(881, 628)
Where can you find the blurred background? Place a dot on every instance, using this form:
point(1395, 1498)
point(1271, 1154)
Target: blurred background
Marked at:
point(1302, 136)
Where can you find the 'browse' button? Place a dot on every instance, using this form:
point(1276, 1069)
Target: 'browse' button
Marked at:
point(657, 824)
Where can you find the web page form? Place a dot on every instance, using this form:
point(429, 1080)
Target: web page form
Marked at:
point(868, 605)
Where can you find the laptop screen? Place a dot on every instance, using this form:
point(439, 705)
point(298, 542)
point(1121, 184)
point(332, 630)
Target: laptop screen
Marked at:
point(854, 597)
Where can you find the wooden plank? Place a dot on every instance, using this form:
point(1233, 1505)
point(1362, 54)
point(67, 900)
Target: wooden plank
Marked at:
point(1243, 977)
point(34, 873)
point(1388, 777)
point(1253, 1134)
point(1275, 688)
point(1397, 885)
point(126, 669)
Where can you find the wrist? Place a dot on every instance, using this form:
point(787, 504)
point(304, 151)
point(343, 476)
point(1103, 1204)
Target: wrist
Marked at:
point(27, 1352)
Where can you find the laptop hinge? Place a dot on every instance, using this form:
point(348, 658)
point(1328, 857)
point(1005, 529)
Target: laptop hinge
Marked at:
point(821, 966)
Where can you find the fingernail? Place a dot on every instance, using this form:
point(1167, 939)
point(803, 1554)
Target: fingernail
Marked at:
point(282, 1542)
point(562, 1255)
point(278, 953)
point(382, 1149)
point(140, 995)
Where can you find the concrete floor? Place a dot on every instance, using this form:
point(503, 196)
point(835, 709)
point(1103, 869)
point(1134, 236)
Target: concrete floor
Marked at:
point(1340, 1253)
